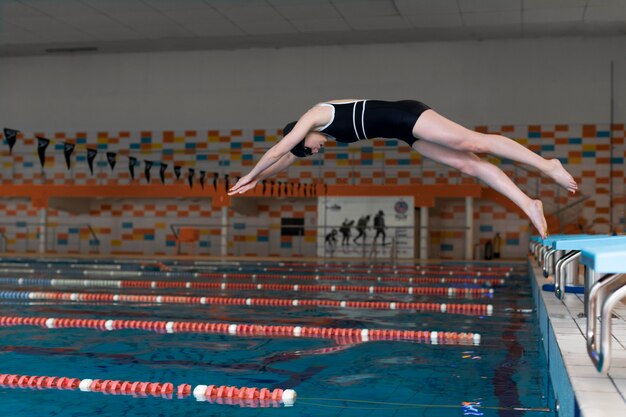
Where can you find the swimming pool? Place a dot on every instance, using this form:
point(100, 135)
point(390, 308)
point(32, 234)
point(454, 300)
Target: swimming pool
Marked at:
point(501, 373)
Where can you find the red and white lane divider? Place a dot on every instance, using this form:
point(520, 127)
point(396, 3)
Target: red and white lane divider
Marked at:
point(441, 291)
point(344, 335)
point(398, 266)
point(371, 269)
point(248, 396)
point(439, 278)
point(468, 309)
point(387, 271)
point(406, 279)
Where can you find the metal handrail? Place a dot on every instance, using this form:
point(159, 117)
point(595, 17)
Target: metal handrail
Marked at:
point(580, 200)
point(93, 234)
point(600, 306)
point(560, 274)
point(606, 329)
point(546, 261)
point(542, 253)
point(174, 230)
point(535, 247)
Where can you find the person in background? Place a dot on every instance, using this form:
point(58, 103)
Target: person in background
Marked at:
point(379, 226)
point(361, 227)
point(345, 232)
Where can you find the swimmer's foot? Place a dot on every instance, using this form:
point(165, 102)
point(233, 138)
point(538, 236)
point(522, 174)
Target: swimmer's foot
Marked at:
point(561, 176)
point(535, 213)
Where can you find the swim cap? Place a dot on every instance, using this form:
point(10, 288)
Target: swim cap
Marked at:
point(299, 150)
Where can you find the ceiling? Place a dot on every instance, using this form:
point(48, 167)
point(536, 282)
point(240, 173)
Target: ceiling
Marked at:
point(37, 27)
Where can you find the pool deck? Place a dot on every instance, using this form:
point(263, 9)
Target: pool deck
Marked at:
point(579, 388)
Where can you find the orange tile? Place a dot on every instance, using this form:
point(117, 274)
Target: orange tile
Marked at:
point(589, 131)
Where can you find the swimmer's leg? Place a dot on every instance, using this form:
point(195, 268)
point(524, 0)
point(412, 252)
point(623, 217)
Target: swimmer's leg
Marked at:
point(433, 127)
point(470, 164)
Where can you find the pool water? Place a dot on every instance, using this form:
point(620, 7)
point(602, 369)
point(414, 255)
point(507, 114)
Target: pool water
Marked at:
point(505, 375)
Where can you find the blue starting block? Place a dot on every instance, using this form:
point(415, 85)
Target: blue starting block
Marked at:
point(606, 260)
point(551, 256)
point(539, 246)
point(567, 253)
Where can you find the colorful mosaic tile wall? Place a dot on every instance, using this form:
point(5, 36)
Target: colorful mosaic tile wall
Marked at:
point(584, 149)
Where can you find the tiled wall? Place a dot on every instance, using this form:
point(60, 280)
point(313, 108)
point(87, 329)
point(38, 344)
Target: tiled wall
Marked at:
point(143, 226)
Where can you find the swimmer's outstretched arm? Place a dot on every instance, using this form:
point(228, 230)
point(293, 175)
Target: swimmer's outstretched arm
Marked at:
point(283, 163)
point(276, 152)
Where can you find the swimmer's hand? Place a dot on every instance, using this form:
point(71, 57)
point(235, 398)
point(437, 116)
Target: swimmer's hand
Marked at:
point(244, 184)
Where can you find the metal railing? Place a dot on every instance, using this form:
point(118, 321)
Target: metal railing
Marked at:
point(602, 294)
point(603, 297)
point(325, 241)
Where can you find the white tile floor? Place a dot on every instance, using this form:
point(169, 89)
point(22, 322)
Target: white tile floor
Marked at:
point(598, 395)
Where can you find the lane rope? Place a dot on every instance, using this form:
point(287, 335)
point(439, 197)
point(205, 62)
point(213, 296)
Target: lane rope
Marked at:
point(342, 335)
point(167, 390)
point(466, 309)
point(224, 286)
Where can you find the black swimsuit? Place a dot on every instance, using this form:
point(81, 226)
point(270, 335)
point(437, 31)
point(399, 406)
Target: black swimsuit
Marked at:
point(366, 119)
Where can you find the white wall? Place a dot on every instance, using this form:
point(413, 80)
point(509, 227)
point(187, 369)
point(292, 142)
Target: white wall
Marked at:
point(491, 82)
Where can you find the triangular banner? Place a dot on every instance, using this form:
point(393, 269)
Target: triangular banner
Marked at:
point(226, 184)
point(215, 177)
point(68, 149)
point(177, 169)
point(192, 172)
point(162, 170)
point(202, 174)
point(263, 182)
point(132, 161)
point(10, 135)
point(111, 156)
point(42, 144)
point(147, 169)
point(91, 155)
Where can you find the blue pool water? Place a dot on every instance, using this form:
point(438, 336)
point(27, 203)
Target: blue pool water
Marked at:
point(505, 375)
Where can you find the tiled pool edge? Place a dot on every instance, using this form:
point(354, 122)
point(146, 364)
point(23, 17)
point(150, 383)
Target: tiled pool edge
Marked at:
point(561, 384)
point(603, 399)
